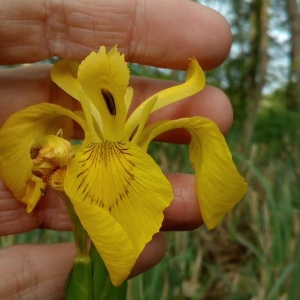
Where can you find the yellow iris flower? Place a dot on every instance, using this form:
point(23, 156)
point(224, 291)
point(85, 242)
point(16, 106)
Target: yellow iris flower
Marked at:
point(118, 192)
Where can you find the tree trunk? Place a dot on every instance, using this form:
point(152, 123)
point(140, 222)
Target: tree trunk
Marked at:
point(258, 62)
point(293, 90)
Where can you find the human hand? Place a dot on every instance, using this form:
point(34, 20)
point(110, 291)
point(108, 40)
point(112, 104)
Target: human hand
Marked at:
point(34, 31)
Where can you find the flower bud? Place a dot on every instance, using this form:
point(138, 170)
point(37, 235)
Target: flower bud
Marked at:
point(50, 156)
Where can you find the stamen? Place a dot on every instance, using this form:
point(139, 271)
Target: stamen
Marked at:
point(60, 133)
point(109, 101)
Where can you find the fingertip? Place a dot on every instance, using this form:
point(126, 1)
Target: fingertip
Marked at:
point(152, 254)
point(184, 211)
point(189, 29)
point(216, 106)
point(216, 41)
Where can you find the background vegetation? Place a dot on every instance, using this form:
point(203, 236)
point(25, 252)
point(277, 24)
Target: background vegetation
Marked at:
point(255, 252)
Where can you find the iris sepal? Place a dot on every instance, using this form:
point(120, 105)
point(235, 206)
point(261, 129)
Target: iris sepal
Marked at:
point(212, 162)
point(106, 183)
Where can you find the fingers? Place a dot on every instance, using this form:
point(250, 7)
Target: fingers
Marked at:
point(40, 271)
point(211, 103)
point(31, 85)
point(34, 31)
point(50, 212)
point(152, 254)
point(25, 86)
point(184, 211)
point(35, 271)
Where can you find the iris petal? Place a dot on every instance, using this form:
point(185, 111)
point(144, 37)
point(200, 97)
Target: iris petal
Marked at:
point(125, 182)
point(144, 118)
point(219, 185)
point(194, 82)
point(17, 136)
point(64, 74)
point(128, 98)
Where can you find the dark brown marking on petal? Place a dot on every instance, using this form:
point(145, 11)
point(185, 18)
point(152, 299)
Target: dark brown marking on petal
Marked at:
point(109, 101)
point(82, 181)
point(85, 195)
point(91, 148)
point(81, 173)
point(121, 162)
point(111, 158)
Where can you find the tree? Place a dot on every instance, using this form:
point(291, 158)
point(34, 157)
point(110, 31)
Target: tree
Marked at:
point(293, 91)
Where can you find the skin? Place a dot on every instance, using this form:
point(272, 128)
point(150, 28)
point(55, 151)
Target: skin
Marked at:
point(36, 30)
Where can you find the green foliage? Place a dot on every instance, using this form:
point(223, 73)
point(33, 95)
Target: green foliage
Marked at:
point(276, 126)
point(38, 236)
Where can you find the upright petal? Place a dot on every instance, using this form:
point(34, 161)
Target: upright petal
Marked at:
point(17, 136)
point(64, 74)
point(194, 82)
point(104, 78)
point(143, 119)
point(219, 185)
point(124, 182)
point(128, 98)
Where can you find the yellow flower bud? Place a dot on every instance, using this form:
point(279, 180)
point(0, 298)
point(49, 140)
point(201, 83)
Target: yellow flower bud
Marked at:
point(50, 156)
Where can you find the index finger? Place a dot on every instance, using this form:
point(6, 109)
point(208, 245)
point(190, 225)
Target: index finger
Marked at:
point(51, 213)
point(159, 33)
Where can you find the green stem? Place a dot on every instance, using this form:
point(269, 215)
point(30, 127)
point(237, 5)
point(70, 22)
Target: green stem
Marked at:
point(79, 284)
point(80, 234)
point(102, 287)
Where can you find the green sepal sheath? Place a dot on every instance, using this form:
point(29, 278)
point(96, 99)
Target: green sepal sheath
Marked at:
point(79, 283)
point(103, 289)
